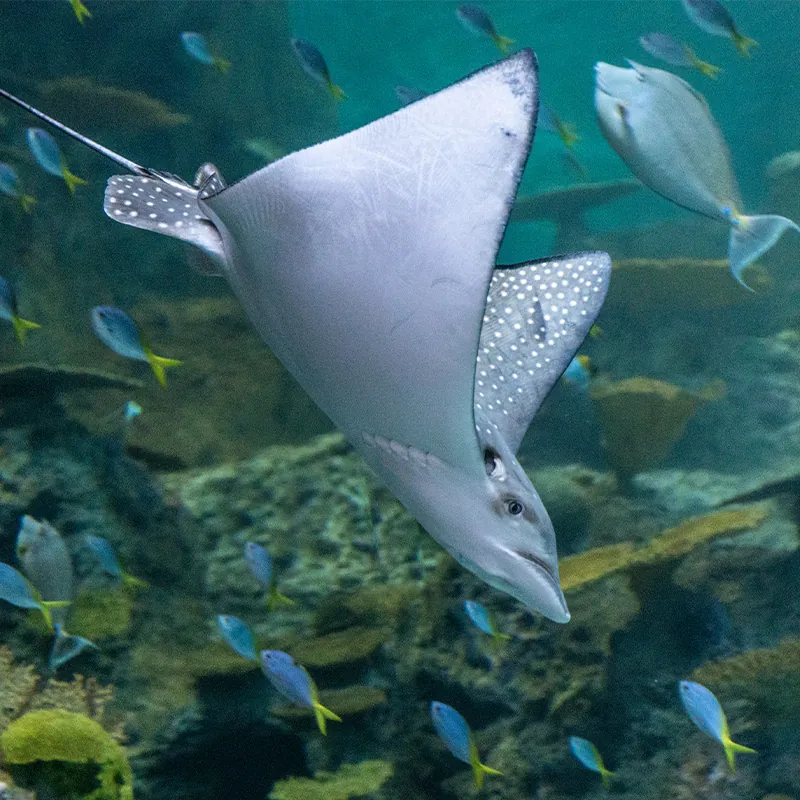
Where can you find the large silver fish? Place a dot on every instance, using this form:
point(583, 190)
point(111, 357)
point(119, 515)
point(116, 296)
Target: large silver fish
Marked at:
point(367, 265)
point(46, 562)
point(663, 130)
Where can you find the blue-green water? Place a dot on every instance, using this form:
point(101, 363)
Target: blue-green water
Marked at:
point(671, 478)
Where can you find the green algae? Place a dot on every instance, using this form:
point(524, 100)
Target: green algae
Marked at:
point(349, 781)
point(67, 754)
point(100, 614)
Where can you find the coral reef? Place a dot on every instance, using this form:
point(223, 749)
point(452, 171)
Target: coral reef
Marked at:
point(643, 418)
point(349, 781)
point(650, 284)
point(592, 565)
point(41, 749)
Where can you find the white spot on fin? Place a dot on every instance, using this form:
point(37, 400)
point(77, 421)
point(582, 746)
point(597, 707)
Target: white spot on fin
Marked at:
point(537, 315)
point(163, 205)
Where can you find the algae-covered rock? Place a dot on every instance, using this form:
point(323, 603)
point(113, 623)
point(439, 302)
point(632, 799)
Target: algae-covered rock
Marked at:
point(657, 284)
point(99, 614)
point(600, 562)
point(44, 750)
point(349, 781)
point(643, 418)
point(339, 648)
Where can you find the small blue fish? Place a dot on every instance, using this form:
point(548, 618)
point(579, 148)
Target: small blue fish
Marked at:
point(238, 636)
point(476, 20)
point(197, 47)
point(66, 647)
point(706, 712)
point(260, 563)
point(117, 330)
point(712, 17)
point(10, 186)
point(8, 311)
point(132, 410)
point(552, 123)
point(408, 94)
point(16, 590)
point(590, 757)
point(295, 684)
point(104, 551)
point(313, 64)
point(578, 372)
point(481, 619)
point(455, 733)
point(49, 157)
point(676, 53)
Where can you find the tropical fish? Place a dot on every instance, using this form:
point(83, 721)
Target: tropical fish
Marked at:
point(119, 332)
point(552, 123)
point(590, 757)
point(295, 684)
point(579, 372)
point(454, 731)
point(481, 618)
point(663, 130)
point(81, 12)
point(238, 636)
point(9, 186)
point(16, 590)
point(676, 53)
point(260, 562)
point(8, 311)
point(264, 148)
point(66, 647)
point(408, 94)
point(132, 410)
point(712, 17)
point(49, 157)
point(407, 305)
point(313, 64)
point(476, 20)
point(103, 550)
point(196, 46)
point(46, 562)
point(706, 712)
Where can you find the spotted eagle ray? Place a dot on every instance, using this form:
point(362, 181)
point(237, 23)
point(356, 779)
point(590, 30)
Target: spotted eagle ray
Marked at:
point(367, 263)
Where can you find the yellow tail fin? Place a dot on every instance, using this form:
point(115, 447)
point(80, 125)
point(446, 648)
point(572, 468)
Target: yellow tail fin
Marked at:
point(221, 65)
point(731, 748)
point(72, 181)
point(81, 12)
point(503, 43)
point(277, 599)
point(159, 365)
point(605, 776)
point(568, 135)
point(27, 201)
point(22, 326)
point(479, 770)
point(743, 44)
point(133, 582)
point(46, 605)
point(322, 714)
point(337, 93)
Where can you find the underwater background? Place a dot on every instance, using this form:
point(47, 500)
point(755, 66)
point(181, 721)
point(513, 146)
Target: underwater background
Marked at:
point(672, 475)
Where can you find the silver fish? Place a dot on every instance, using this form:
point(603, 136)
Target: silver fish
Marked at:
point(46, 563)
point(367, 263)
point(663, 130)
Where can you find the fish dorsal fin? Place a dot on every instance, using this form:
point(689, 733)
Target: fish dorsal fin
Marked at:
point(163, 204)
point(537, 315)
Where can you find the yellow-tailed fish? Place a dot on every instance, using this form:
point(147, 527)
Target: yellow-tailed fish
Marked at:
point(712, 17)
point(590, 757)
point(314, 64)
point(476, 20)
point(81, 12)
point(8, 311)
point(49, 157)
point(676, 53)
point(10, 186)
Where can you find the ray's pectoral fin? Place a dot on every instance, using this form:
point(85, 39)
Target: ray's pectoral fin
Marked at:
point(537, 315)
point(167, 205)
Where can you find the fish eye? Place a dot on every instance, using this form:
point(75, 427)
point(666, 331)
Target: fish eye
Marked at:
point(514, 507)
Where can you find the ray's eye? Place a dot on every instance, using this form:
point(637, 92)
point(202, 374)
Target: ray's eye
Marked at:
point(514, 507)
